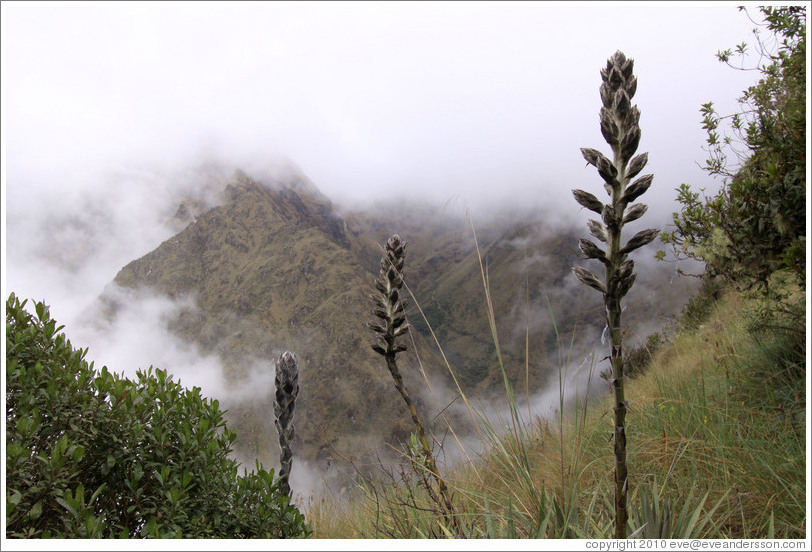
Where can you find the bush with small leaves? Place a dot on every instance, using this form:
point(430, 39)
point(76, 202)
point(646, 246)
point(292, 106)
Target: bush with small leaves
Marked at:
point(90, 454)
point(755, 224)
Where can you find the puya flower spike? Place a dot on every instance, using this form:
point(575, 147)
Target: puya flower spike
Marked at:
point(389, 305)
point(619, 123)
point(390, 310)
point(286, 382)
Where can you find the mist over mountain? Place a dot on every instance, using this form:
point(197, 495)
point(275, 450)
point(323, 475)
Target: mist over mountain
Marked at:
point(263, 262)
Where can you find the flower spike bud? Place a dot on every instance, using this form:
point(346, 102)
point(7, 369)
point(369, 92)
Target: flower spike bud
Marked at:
point(623, 105)
point(615, 79)
point(636, 165)
point(585, 199)
point(626, 68)
point(606, 168)
point(592, 251)
point(597, 229)
point(625, 285)
point(629, 143)
point(637, 188)
point(607, 97)
point(626, 269)
point(594, 157)
point(610, 219)
point(588, 278)
point(635, 212)
point(639, 240)
point(608, 172)
point(609, 128)
point(631, 86)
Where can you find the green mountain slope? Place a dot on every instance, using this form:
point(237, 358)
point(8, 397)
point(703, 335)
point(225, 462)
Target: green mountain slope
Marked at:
point(275, 266)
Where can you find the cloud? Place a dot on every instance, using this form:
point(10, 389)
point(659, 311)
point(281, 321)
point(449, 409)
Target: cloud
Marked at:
point(129, 330)
point(490, 101)
point(66, 243)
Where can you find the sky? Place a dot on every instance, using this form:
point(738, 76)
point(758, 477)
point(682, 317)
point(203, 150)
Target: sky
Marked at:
point(485, 100)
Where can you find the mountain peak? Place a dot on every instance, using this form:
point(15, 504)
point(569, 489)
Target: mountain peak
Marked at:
point(280, 175)
point(293, 199)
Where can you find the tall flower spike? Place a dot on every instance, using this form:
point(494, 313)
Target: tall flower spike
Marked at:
point(389, 305)
point(389, 309)
point(287, 388)
point(619, 123)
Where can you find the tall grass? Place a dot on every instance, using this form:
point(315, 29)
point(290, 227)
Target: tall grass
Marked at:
point(717, 446)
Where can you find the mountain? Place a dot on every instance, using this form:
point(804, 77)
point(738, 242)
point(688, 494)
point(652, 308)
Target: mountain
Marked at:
point(276, 266)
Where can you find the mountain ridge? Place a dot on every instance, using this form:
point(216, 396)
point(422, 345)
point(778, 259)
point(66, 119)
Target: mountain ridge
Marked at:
point(275, 265)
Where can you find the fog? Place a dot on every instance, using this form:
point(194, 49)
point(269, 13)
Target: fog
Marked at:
point(486, 100)
point(113, 114)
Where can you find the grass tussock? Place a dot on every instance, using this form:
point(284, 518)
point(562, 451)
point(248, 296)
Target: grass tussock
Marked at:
point(717, 447)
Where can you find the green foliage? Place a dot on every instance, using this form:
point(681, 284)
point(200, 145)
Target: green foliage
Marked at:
point(91, 454)
point(658, 519)
point(697, 309)
point(756, 223)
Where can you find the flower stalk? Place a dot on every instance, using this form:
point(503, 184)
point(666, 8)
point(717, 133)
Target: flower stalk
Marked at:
point(390, 310)
point(286, 389)
point(619, 122)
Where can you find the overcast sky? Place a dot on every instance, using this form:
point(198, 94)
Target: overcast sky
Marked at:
point(485, 102)
point(475, 98)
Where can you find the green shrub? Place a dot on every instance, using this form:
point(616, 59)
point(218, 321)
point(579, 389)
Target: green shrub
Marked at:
point(756, 224)
point(91, 454)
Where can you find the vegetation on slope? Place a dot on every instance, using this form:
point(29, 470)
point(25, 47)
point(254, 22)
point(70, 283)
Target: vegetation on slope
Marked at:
point(716, 449)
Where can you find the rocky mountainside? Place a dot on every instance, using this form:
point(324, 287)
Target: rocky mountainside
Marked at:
point(276, 266)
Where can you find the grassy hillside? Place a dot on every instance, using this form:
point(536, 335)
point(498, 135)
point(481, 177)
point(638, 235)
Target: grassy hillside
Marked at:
point(717, 448)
